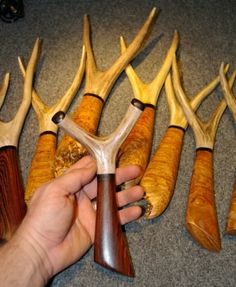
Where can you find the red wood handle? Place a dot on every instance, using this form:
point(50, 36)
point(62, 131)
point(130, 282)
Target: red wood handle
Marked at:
point(201, 216)
point(110, 246)
point(12, 205)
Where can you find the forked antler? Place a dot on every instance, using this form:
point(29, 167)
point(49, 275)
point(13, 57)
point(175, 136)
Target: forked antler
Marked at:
point(110, 246)
point(201, 216)
point(97, 87)
point(12, 205)
point(41, 169)
point(161, 174)
point(137, 147)
point(231, 102)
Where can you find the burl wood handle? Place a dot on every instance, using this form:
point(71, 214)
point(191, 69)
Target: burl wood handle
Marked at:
point(201, 216)
point(160, 176)
point(87, 115)
point(41, 169)
point(110, 246)
point(12, 205)
point(231, 220)
point(137, 146)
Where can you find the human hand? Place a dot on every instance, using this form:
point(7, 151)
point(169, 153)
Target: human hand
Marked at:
point(60, 222)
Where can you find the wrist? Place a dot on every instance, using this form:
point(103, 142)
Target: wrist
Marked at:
point(24, 263)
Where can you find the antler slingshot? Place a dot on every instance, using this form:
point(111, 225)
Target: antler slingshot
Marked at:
point(137, 147)
point(161, 174)
point(41, 169)
point(231, 102)
point(12, 205)
point(110, 247)
point(201, 216)
point(98, 84)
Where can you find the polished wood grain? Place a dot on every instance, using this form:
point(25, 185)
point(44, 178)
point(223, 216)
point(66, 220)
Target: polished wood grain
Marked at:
point(201, 216)
point(41, 169)
point(137, 147)
point(69, 150)
point(12, 205)
point(110, 245)
point(160, 176)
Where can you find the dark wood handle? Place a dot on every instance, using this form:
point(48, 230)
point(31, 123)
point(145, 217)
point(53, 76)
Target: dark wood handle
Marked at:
point(201, 216)
point(12, 205)
point(110, 245)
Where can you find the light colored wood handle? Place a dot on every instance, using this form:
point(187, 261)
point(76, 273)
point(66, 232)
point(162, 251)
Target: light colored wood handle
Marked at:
point(231, 220)
point(160, 176)
point(41, 169)
point(69, 151)
point(137, 146)
point(201, 216)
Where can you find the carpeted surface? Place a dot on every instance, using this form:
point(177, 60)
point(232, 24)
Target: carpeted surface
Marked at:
point(163, 252)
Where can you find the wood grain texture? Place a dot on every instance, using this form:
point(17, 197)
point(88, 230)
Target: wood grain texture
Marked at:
point(41, 169)
point(110, 245)
point(231, 219)
point(69, 150)
point(160, 176)
point(201, 216)
point(137, 146)
point(12, 205)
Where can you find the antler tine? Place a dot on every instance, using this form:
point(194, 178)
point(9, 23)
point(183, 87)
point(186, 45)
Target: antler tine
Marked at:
point(100, 83)
point(176, 112)
point(149, 93)
point(228, 94)
point(3, 88)
point(37, 103)
point(213, 122)
point(190, 115)
point(44, 112)
point(207, 90)
point(65, 101)
point(137, 84)
point(91, 66)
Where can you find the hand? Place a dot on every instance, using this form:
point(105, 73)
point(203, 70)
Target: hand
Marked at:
point(60, 222)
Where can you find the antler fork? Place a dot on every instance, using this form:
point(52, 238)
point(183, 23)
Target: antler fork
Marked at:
point(12, 205)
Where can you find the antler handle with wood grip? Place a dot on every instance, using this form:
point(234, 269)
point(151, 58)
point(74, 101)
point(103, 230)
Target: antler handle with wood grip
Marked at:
point(111, 250)
point(201, 217)
point(12, 205)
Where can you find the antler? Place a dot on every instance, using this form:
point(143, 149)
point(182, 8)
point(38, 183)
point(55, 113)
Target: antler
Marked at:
point(41, 169)
point(160, 176)
point(100, 82)
point(201, 216)
point(137, 147)
point(12, 205)
point(110, 247)
point(97, 87)
point(231, 102)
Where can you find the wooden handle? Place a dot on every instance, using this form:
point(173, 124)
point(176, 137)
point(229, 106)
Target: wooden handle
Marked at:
point(137, 146)
point(231, 220)
point(110, 246)
point(41, 169)
point(87, 115)
point(12, 205)
point(160, 176)
point(201, 216)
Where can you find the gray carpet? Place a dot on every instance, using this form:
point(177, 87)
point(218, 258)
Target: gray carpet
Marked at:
point(163, 252)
